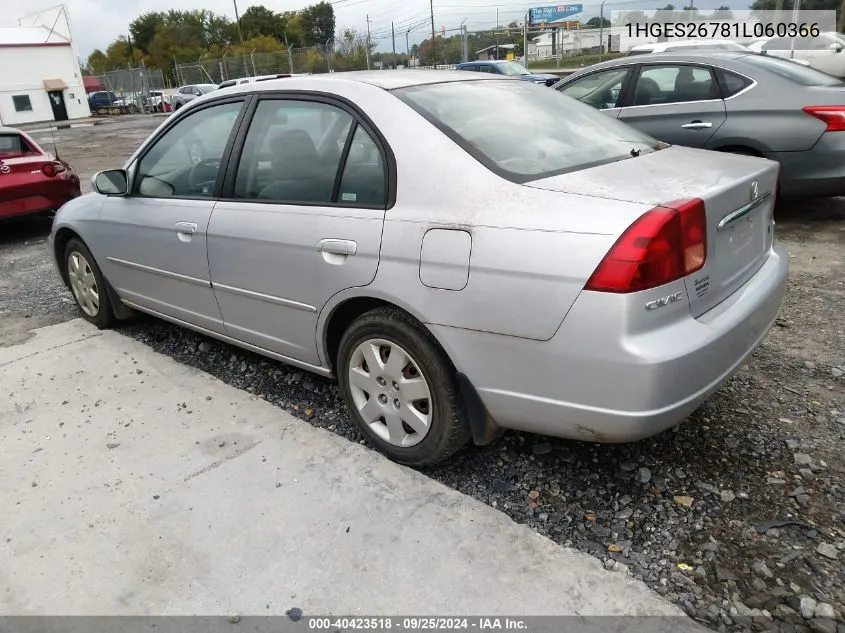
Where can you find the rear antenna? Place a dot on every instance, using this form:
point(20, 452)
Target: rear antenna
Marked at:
point(55, 148)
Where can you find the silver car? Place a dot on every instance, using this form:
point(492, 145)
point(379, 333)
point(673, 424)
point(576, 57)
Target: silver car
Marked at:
point(186, 94)
point(743, 103)
point(527, 265)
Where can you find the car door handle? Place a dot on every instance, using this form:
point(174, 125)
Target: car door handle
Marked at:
point(697, 125)
point(186, 227)
point(338, 247)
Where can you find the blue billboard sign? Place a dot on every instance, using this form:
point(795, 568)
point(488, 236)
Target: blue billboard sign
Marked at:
point(553, 14)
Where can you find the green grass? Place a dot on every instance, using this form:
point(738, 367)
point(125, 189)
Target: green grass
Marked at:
point(572, 62)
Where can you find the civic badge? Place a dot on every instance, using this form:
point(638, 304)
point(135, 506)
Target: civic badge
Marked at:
point(755, 190)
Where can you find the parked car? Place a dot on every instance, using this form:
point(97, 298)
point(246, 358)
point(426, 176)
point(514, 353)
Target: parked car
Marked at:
point(615, 282)
point(102, 99)
point(31, 179)
point(686, 46)
point(509, 68)
point(247, 80)
point(824, 53)
point(188, 93)
point(733, 102)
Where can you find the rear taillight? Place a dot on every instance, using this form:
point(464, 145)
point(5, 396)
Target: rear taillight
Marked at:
point(51, 169)
point(834, 116)
point(668, 243)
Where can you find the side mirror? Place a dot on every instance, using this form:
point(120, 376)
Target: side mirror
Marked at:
point(113, 182)
point(836, 47)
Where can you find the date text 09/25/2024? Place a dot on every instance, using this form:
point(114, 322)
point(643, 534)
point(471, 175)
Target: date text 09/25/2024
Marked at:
point(723, 30)
point(415, 624)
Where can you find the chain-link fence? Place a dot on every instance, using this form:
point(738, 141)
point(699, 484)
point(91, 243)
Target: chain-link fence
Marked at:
point(316, 59)
point(135, 88)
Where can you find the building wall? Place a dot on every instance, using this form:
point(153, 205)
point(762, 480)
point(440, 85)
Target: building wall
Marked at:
point(22, 72)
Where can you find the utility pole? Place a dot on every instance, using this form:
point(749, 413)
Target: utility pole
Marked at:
point(131, 52)
point(525, 41)
point(393, 35)
point(778, 9)
point(407, 45)
point(601, 28)
point(433, 53)
point(368, 42)
point(238, 20)
point(497, 32)
point(841, 22)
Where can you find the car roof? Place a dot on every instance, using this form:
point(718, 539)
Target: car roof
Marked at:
point(8, 130)
point(681, 43)
point(385, 79)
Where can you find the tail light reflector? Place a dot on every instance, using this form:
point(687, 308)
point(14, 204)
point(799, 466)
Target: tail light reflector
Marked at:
point(51, 169)
point(834, 116)
point(667, 243)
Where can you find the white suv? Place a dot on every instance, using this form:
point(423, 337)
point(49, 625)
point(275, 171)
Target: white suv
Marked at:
point(824, 53)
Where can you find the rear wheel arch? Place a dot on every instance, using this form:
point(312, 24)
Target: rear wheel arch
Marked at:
point(482, 427)
point(63, 236)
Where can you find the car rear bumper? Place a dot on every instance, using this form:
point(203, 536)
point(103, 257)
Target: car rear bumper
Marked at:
point(817, 172)
point(595, 381)
point(37, 198)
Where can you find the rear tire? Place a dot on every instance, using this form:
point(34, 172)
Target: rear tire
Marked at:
point(87, 285)
point(411, 409)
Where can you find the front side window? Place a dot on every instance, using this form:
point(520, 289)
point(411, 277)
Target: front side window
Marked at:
point(600, 90)
point(292, 152)
point(528, 132)
point(660, 85)
point(184, 162)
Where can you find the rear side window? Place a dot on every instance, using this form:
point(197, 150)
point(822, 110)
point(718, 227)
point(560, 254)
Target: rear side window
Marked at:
point(731, 83)
point(802, 75)
point(527, 132)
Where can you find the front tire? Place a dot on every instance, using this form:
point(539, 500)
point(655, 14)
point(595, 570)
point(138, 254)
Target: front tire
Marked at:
point(87, 285)
point(401, 389)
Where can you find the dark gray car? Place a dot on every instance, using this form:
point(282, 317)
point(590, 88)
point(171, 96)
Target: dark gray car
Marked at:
point(734, 102)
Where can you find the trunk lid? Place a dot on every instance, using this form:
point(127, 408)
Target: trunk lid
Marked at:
point(739, 221)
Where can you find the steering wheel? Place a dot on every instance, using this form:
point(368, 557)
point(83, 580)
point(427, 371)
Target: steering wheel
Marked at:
point(204, 174)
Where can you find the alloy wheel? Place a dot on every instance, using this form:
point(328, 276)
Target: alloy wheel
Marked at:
point(390, 392)
point(83, 284)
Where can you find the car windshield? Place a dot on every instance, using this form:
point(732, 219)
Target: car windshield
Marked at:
point(512, 68)
point(643, 51)
point(803, 75)
point(525, 132)
point(13, 145)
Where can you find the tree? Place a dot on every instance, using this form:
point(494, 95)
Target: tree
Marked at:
point(722, 13)
point(318, 24)
point(259, 20)
point(597, 21)
point(257, 44)
point(143, 29)
point(97, 62)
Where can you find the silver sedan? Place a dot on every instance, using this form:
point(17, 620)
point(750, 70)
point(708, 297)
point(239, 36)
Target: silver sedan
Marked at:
point(460, 269)
point(734, 102)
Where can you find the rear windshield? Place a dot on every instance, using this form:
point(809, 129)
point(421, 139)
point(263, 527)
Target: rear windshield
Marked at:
point(791, 71)
point(643, 51)
point(12, 145)
point(523, 131)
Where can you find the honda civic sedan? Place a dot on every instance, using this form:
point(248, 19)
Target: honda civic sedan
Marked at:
point(530, 265)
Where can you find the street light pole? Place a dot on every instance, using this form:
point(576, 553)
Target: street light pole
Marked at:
point(238, 20)
point(601, 29)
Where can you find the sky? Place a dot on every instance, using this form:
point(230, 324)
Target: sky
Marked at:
point(96, 23)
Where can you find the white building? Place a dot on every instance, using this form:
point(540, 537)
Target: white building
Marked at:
point(40, 77)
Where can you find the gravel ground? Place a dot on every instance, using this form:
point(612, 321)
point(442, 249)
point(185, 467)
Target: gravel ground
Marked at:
point(737, 515)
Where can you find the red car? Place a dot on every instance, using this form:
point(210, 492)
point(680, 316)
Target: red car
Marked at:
point(32, 180)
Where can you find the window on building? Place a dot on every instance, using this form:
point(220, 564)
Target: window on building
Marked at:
point(22, 103)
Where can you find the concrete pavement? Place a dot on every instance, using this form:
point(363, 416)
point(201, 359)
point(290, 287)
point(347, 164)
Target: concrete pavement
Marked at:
point(131, 484)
